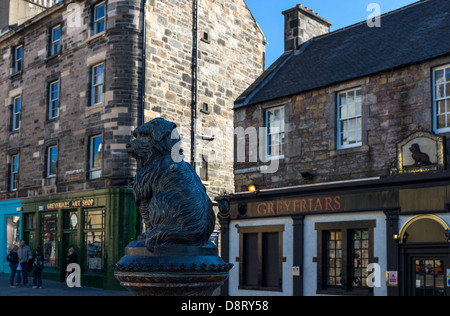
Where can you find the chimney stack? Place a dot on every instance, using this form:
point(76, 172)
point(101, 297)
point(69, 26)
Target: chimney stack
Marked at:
point(302, 24)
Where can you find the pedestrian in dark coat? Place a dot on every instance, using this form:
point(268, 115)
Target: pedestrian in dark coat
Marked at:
point(13, 259)
point(38, 266)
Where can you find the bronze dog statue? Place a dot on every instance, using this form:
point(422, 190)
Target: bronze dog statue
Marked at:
point(169, 194)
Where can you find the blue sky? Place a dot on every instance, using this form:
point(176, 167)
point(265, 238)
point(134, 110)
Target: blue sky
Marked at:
point(341, 13)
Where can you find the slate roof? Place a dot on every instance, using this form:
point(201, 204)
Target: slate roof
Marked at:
point(412, 34)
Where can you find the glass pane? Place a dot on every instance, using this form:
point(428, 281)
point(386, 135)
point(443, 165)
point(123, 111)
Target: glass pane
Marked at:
point(441, 123)
point(342, 99)
point(94, 219)
point(447, 89)
point(49, 222)
point(96, 151)
point(56, 34)
point(100, 12)
point(94, 251)
point(440, 91)
point(71, 220)
point(30, 221)
point(52, 160)
point(439, 76)
point(441, 107)
point(12, 232)
point(50, 249)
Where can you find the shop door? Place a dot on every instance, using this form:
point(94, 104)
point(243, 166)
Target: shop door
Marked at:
point(429, 276)
point(70, 241)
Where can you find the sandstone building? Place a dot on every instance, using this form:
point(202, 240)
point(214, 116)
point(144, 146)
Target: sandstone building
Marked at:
point(75, 81)
point(351, 176)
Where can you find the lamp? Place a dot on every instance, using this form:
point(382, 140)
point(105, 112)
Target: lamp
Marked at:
point(396, 236)
point(252, 188)
point(447, 234)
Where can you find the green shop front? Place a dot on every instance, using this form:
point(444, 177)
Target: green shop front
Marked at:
point(98, 225)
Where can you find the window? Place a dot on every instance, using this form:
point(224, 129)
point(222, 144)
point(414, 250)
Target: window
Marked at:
point(14, 173)
point(52, 159)
point(261, 257)
point(70, 220)
point(441, 96)
point(99, 18)
point(203, 169)
point(49, 229)
point(95, 158)
point(275, 132)
point(94, 226)
point(16, 109)
point(53, 100)
point(55, 40)
point(97, 85)
point(349, 119)
point(18, 58)
point(345, 251)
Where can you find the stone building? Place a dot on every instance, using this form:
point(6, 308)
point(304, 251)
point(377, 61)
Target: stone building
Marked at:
point(351, 175)
point(76, 80)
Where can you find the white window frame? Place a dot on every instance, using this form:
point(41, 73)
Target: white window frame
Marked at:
point(55, 44)
point(14, 173)
point(53, 100)
point(18, 60)
point(51, 177)
point(97, 85)
point(98, 20)
point(349, 119)
point(445, 99)
point(16, 110)
point(281, 132)
point(95, 172)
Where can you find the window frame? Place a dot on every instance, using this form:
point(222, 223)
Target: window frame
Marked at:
point(346, 228)
point(356, 116)
point(446, 98)
point(95, 84)
point(282, 132)
point(260, 230)
point(16, 115)
point(97, 21)
point(92, 231)
point(94, 170)
point(54, 41)
point(14, 172)
point(53, 101)
point(18, 60)
point(50, 177)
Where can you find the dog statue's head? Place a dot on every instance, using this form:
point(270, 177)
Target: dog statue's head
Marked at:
point(153, 139)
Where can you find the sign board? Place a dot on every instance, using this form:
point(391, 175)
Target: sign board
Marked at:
point(448, 277)
point(392, 278)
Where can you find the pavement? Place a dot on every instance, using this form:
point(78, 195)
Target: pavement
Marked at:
point(51, 288)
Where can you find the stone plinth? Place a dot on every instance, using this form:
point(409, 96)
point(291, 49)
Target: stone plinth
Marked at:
point(171, 270)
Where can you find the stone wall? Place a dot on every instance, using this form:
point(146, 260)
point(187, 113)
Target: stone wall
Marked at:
point(395, 104)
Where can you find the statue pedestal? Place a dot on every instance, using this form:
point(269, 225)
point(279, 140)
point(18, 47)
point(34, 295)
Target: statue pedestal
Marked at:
point(171, 270)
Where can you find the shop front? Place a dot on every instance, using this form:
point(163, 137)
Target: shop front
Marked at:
point(96, 224)
point(376, 237)
point(10, 219)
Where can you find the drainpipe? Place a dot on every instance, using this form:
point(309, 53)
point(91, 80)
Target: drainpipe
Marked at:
point(194, 91)
point(144, 64)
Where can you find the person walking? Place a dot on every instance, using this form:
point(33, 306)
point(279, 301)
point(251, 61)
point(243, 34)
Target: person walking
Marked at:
point(38, 266)
point(24, 253)
point(72, 256)
point(13, 259)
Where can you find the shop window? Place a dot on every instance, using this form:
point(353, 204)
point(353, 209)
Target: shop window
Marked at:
point(345, 251)
point(94, 240)
point(49, 228)
point(261, 257)
point(12, 231)
point(70, 220)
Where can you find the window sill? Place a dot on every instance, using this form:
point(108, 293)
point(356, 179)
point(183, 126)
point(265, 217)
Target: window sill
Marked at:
point(350, 150)
point(96, 37)
point(53, 57)
point(354, 292)
point(257, 288)
point(16, 75)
